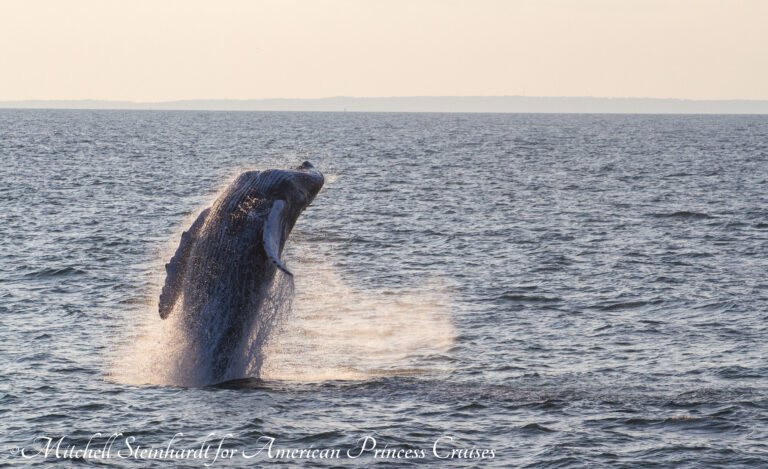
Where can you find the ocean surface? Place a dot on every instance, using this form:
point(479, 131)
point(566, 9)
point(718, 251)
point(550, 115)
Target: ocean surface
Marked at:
point(471, 290)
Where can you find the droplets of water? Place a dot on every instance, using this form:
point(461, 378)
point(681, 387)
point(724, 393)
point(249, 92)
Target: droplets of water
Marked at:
point(338, 332)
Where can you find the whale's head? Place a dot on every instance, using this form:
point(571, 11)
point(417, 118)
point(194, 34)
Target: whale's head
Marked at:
point(305, 182)
point(271, 200)
point(296, 187)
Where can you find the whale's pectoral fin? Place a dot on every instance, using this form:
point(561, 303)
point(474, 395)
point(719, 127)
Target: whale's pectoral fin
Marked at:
point(174, 280)
point(273, 234)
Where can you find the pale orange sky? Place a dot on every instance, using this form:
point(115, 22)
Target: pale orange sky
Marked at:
point(186, 49)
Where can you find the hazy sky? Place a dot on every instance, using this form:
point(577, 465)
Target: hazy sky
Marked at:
point(168, 49)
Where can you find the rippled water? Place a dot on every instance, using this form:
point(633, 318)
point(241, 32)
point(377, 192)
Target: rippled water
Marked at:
point(565, 290)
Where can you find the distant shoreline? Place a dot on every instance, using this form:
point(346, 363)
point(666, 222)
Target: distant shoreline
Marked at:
point(443, 104)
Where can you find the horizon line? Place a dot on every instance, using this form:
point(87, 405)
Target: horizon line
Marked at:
point(162, 101)
point(444, 104)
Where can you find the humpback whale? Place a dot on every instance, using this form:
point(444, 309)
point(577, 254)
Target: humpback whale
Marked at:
point(220, 275)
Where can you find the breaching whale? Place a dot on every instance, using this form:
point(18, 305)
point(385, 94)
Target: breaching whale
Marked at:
point(219, 277)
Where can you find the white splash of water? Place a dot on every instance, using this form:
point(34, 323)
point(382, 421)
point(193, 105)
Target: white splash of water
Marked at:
point(333, 332)
point(336, 332)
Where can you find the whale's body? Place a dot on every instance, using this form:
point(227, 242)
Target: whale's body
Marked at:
point(218, 279)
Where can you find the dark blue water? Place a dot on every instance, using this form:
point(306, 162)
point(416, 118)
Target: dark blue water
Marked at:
point(499, 290)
